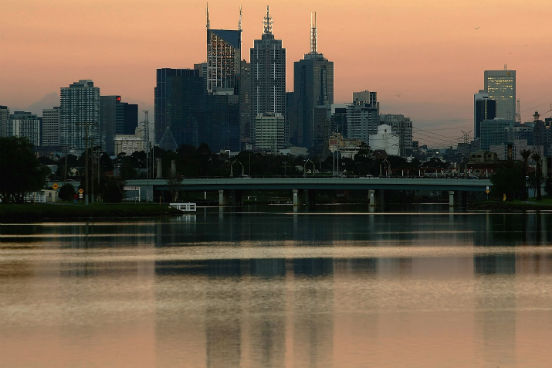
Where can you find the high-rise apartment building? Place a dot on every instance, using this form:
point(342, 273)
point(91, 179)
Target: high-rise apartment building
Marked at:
point(223, 59)
point(313, 87)
point(402, 127)
point(268, 74)
point(25, 124)
point(363, 116)
point(80, 116)
point(50, 127)
point(484, 108)
point(500, 85)
point(4, 118)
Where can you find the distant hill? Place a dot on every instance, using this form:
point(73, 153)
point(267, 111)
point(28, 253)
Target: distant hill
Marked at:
point(47, 102)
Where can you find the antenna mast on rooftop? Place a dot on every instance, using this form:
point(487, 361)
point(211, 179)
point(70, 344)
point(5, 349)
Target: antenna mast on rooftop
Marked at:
point(314, 35)
point(208, 22)
point(267, 22)
point(240, 21)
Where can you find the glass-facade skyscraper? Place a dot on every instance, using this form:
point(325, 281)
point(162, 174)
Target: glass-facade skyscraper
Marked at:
point(268, 75)
point(313, 89)
point(223, 59)
point(500, 85)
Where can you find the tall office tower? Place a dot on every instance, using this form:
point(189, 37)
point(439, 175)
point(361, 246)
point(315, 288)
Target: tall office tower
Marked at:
point(4, 118)
point(50, 127)
point(179, 102)
point(244, 86)
point(25, 124)
point(500, 85)
point(268, 73)
point(80, 116)
point(484, 108)
point(363, 116)
point(402, 127)
point(313, 86)
point(223, 59)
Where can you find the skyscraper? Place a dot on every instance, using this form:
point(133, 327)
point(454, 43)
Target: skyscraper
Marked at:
point(313, 87)
point(50, 127)
point(268, 73)
point(363, 116)
point(80, 116)
point(245, 105)
point(179, 99)
point(500, 85)
point(484, 108)
point(223, 58)
point(116, 117)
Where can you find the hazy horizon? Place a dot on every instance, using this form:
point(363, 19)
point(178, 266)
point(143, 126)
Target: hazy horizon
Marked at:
point(425, 59)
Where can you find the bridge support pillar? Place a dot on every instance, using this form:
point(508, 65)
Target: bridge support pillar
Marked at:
point(221, 197)
point(372, 198)
point(295, 197)
point(451, 198)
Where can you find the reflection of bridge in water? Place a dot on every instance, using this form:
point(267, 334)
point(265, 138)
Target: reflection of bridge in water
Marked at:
point(148, 187)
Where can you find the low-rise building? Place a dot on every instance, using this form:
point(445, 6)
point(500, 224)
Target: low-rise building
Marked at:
point(385, 140)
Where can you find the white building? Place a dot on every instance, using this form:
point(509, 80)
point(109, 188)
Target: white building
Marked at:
point(128, 144)
point(402, 126)
point(269, 132)
point(385, 140)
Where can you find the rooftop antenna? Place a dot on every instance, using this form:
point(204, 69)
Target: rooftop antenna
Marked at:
point(505, 66)
point(240, 21)
point(314, 35)
point(208, 22)
point(267, 22)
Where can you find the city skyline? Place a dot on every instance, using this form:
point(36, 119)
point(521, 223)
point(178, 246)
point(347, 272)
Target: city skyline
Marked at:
point(121, 56)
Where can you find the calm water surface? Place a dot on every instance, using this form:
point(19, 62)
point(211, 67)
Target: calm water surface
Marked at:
point(327, 288)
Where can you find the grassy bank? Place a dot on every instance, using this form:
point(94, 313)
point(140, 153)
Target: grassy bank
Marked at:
point(544, 204)
point(62, 211)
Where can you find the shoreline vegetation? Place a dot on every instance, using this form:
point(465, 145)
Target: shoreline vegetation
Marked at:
point(69, 211)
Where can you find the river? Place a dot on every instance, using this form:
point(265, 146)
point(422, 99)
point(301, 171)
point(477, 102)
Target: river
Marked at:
point(334, 287)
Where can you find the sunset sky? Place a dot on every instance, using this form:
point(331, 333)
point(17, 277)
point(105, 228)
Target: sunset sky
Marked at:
point(425, 58)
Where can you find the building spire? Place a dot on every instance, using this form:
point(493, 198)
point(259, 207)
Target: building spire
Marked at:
point(314, 35)
point(240, 21)
point(267, 22)
point(208, 22)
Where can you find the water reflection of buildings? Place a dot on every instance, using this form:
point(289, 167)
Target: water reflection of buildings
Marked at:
point(255, 312)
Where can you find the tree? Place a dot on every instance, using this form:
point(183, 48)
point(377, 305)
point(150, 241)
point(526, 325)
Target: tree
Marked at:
point(538, 174)
point(20, 169)
point(112, 191)
point(67, 192)
point(509, 181)
point(525, 154)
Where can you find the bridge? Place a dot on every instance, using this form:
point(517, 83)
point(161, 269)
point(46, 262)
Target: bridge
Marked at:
point(370, 184)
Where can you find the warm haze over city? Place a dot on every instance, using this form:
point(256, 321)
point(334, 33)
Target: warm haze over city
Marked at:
point(425, 58)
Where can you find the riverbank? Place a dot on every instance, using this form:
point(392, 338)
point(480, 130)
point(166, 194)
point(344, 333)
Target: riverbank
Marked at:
point(530, 205)
point(66, 211)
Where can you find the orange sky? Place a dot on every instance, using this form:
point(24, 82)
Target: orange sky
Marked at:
point(425, 58)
